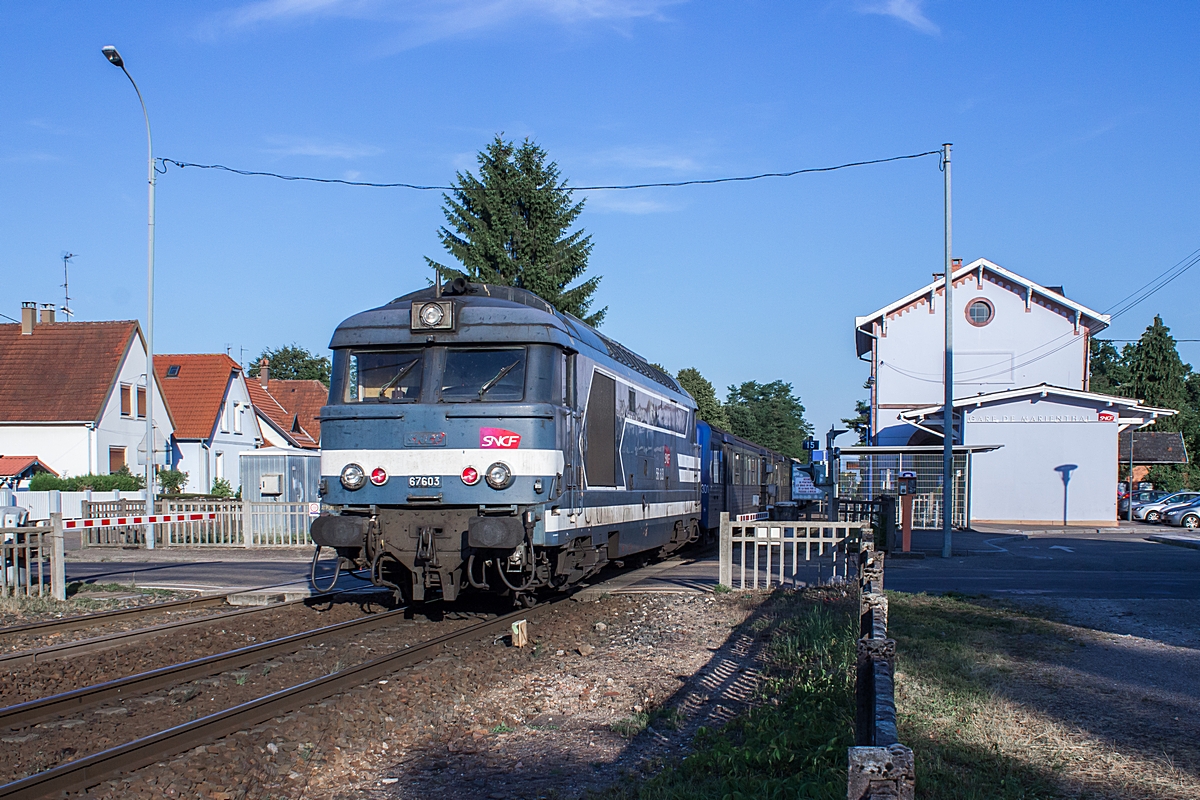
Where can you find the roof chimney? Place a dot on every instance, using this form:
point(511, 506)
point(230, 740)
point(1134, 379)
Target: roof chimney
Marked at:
point(264, 371)
point(47, 315)
point(28, 317)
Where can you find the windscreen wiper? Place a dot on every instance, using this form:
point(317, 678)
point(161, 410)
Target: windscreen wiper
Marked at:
point(390, 384)
point(487, 387)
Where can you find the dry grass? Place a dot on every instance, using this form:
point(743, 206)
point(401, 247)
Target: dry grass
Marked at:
point(995, 705)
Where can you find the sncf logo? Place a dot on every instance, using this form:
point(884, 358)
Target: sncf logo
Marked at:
point(498, 438)
point(1107, 416)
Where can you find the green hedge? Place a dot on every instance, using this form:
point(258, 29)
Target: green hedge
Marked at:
point(122, 481)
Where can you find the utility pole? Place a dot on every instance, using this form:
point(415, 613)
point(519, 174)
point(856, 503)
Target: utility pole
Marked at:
point(67, 312)
point(948, 375)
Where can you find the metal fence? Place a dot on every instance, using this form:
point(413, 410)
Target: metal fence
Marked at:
point(866, 476)
point(762, 553)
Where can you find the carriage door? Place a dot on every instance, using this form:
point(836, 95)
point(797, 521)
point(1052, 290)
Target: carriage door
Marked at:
point(600, 456)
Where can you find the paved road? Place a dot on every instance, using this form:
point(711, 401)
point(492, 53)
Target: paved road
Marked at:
point(201, 574)
point(1079, 564)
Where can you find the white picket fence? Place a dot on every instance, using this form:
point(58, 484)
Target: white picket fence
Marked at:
point(238, 524)
point(760, 553)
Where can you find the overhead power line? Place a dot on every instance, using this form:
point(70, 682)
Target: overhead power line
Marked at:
point(665, 185)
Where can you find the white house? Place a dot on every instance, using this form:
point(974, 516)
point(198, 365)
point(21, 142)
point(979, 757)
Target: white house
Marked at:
point(74, 393)
point(1036, 445)
point(215, 419)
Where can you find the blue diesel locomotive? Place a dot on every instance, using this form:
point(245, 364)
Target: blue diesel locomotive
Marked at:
point(478, 439)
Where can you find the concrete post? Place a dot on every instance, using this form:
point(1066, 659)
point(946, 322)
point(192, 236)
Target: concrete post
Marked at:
point(58, 569)
point(875, 773)
point(725, 573)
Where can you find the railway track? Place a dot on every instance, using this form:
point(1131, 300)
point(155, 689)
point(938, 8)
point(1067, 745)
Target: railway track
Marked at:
point(92, 644)
point(90, 770)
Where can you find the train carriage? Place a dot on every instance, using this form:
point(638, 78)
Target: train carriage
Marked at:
point(480, 438)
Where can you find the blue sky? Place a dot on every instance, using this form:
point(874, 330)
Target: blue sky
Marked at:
point(1075, 128)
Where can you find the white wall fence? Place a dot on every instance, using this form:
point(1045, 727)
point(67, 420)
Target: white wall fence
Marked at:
point(760, 554)
point(70, 504)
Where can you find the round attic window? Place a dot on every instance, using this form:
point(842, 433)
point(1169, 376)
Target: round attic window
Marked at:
point(980, 312)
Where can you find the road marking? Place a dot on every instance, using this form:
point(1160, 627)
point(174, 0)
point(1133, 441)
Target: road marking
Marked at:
point(1060, 547)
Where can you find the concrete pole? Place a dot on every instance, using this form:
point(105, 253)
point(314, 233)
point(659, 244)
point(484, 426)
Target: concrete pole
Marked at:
point(948, 375)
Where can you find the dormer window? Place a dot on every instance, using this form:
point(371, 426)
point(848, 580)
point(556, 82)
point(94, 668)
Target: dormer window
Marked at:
point(173, 371)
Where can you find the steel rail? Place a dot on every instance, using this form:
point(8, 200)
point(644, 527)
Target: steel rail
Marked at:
point(95, 643)
point(34, 711)
point(91, 770)
point(74, 623)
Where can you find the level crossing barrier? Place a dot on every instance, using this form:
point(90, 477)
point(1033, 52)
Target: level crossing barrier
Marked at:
point(758, 553)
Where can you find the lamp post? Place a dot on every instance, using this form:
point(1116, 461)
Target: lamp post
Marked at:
point(114, 57)
point(948, 375)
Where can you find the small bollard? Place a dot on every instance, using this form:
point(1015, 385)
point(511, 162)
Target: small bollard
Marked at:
point(520, 633)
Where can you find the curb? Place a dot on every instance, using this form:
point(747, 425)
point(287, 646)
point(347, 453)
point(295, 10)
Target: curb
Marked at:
point(1178, 541)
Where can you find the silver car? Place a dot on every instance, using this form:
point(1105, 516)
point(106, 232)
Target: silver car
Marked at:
point(1152, 512)
point(1183, 516)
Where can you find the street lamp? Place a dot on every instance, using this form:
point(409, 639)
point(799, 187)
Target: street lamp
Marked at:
point(114, 57)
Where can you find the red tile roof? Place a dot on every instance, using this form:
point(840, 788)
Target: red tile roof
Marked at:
point(288, 424)
point(302, 399)
point(11, 466)
point(196, 393)
point(63, 371)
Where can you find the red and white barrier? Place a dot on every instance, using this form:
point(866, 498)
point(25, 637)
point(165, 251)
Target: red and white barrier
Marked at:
point(116, 522)
point(755, 517)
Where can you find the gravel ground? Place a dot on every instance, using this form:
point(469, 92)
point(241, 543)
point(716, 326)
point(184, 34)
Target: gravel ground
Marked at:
point(19, 642)
point(486, 720)
point(84, 600)
point(48, 744)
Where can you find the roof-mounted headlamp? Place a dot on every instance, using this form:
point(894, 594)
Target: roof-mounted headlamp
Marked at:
point(432, 315)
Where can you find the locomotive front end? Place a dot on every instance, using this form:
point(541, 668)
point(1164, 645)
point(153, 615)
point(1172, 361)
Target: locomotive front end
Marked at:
point(443, 443)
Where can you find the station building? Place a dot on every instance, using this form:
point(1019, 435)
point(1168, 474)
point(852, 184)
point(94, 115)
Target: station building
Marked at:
point(1033, 445)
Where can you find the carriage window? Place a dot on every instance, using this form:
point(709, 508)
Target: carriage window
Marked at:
point(484, 375)
point(390, 377)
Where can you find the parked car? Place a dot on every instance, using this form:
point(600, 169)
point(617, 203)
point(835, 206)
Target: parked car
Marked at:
point(1143, 496)
point(1187, 516)
point(1152, 512)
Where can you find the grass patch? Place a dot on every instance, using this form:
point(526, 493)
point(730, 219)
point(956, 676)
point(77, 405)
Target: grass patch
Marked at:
point(793, 742)
point(950, 653)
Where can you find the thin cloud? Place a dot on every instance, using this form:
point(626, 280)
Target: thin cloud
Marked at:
point(619, 203)
point(648, 159)
point(422, 21)
point(907, 11)
point(293, 146)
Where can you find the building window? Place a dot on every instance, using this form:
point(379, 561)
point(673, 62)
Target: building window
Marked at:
point(173, 371)
point(224, 414)
point(141, 402)
point(980, 312)
point(238, 410)
point(116, 459)
point(126, 400)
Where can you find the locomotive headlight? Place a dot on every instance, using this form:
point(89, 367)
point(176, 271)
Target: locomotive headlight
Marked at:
point(353, 477)
point(432, 314)
point(498, 475)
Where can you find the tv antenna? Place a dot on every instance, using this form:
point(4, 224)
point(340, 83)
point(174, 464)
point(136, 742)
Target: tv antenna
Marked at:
point(66, 309)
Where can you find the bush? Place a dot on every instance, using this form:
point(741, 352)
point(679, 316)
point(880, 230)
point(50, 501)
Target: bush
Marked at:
point(121, 480)
point(221, 488)
point(172, 481)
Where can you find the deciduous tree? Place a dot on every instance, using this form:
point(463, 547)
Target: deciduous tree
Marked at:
point(709, 408)
point(770, 415)
point(292, 362)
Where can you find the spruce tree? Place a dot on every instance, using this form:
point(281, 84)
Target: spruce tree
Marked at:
point(709, 408)
point(860, 423)
point(510, 226)
point(1108, 369)
point(1157, 375)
